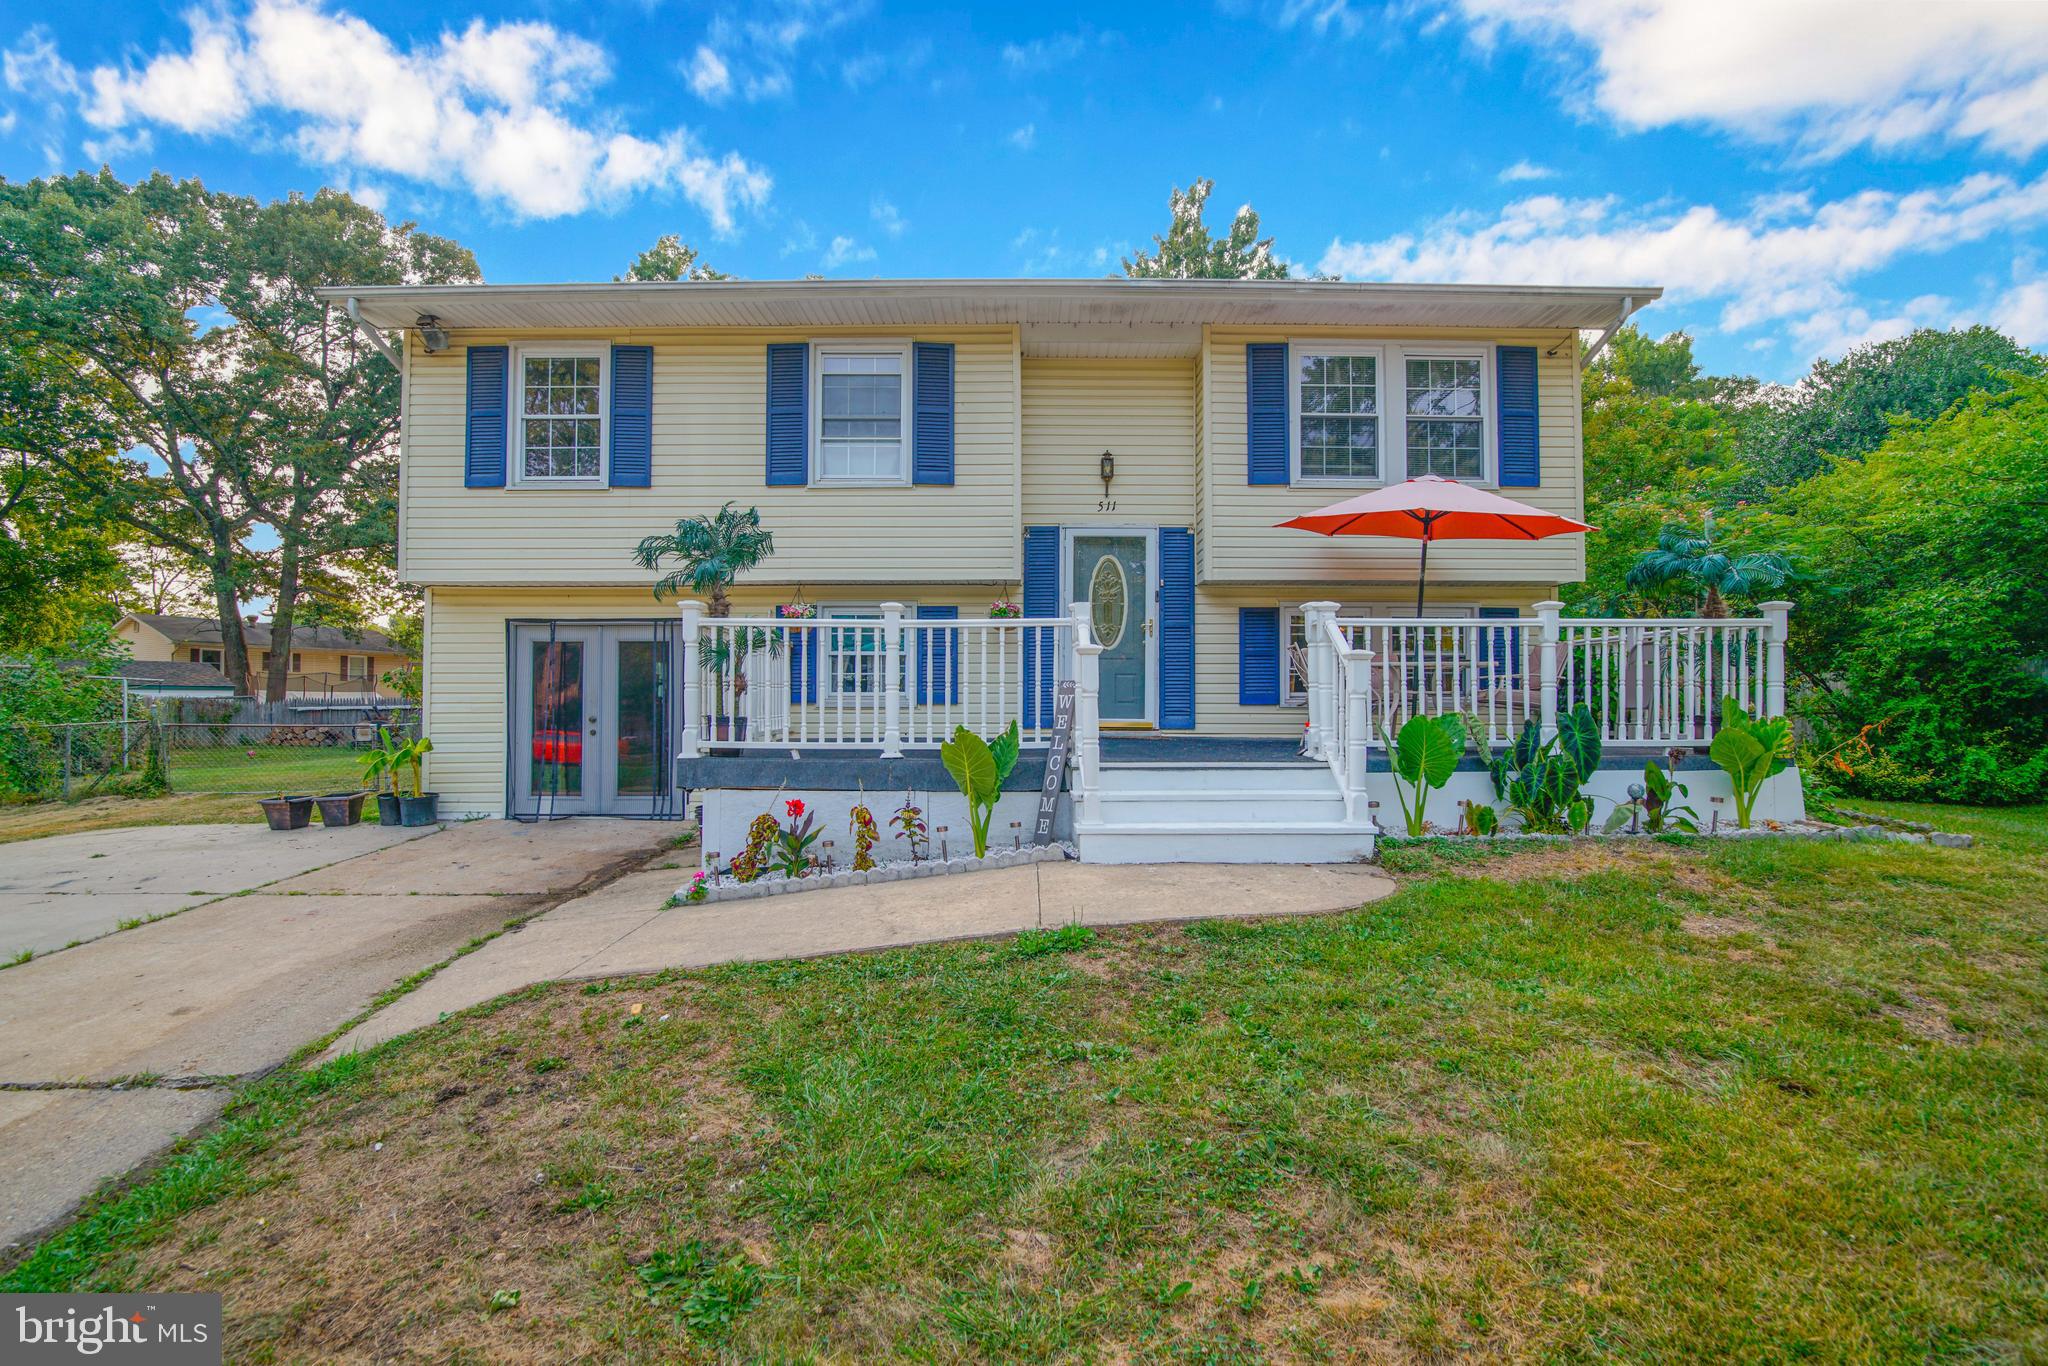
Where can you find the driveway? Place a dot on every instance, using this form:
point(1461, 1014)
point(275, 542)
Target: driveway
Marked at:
point(56, 891)
point(232, 987)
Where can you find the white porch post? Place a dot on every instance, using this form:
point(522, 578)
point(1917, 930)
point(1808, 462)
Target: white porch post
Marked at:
point(892, 680)
point(1322, 669)
point(1777, 629)
point(1087, 719)
point(693, 682)
point(1546, 657)
point(1357, 673)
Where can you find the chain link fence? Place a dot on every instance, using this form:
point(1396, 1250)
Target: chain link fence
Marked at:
point(82, 759)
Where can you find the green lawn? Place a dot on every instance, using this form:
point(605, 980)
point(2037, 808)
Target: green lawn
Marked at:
point(266, 770)
point(1759, 1101)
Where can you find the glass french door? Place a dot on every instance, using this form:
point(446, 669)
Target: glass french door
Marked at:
point(593, 720)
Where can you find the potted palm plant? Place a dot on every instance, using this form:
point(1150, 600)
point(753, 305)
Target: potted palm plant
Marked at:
point(416, 807)
point(710, 552)
point(380, 775)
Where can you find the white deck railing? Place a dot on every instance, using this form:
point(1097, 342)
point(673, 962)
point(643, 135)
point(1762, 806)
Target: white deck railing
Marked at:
point(891, 683)
point(1649, 682)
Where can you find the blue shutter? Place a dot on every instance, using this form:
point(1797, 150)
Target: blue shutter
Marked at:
point(632, 417)
point(1258, 656)
point(803, 658)
point(938, 663)
point(931, 402)
point(1500, 649)
point(1514, 381)
point(1041, 599)
point(789, 415)
point(1265, 418)
point(1176, 628)
point(483, 446)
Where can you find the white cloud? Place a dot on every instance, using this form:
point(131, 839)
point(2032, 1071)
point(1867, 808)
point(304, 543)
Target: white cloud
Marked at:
point(756, 49)
point(1043, 54)
point(33, 66)
point(500, 107)
point(708, 75)
point(2023, 312)
point(845, 250)
point(802, 238)
point(1829, 74)
point(1025, 138)
point(1321, 16)
point(1525, 170)
point(1786, 261)
point(887, 217)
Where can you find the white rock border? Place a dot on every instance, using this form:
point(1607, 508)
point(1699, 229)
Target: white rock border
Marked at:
point(1808, 830)
point(723, 888)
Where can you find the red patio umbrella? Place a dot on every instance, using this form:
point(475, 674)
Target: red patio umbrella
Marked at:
point(1432, 508)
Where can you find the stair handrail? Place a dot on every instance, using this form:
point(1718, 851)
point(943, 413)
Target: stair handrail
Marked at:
point(1340, 702)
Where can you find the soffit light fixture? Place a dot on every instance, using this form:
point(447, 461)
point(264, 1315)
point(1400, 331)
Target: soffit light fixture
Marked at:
point(433, 336)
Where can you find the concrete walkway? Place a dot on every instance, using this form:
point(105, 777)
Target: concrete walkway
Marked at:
point(234, 987)
point(621, 930)
point(71, 887)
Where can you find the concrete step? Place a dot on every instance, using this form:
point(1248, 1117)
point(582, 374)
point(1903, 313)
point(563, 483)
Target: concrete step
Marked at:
point(1203, 842)
point(1151, 777)
point(1223, 809)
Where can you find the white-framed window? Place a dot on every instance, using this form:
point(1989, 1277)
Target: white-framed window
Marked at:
point(1337, 413)
point(861, 400)
point(1377, 412)
point(854, 650)
point(559, 402)
point(205, 655)
point(357, 667)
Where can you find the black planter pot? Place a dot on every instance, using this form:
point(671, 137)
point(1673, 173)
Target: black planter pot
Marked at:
point(733, 728)
point(417, 810)
point(287, 813)
point(341, 808)
point(387, 809)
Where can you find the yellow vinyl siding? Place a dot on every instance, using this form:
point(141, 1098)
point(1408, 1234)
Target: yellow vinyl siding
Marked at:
point(710, 447)
point(1141, 411)
point(1242, 544)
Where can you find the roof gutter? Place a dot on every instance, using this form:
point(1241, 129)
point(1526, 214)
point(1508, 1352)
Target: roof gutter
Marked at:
point(376, 338)
point(1628, 306)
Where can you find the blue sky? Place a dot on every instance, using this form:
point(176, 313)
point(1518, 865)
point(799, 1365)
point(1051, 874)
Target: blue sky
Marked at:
point(1799, 177)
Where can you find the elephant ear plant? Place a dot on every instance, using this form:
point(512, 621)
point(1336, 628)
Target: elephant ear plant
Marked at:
point(1539, 779)
point(1423, 757)
point(1751, 752)
point(979, 767)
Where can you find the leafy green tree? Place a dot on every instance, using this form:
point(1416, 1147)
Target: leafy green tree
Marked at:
point(1188, 252)
point(1844, 409)
point(1922, 639)
point(669, 259)
point(712, 551)
point(1698, 562)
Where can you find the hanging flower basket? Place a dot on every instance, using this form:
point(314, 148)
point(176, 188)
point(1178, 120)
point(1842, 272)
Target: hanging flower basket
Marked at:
point(797, 611)
point(1003, 609)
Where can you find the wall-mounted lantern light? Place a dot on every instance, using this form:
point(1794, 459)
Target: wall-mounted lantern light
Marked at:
point(1108, 471)
point(433, 336)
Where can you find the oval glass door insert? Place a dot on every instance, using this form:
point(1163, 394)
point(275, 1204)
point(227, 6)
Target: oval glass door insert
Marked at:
point(1109, 601)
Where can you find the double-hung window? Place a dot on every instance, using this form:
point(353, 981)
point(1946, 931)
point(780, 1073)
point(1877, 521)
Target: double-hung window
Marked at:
point(1374, 413)
point(1337, 414)
point(560, 431)
point(1446, 432)
point(863, 393)
point(855, 650)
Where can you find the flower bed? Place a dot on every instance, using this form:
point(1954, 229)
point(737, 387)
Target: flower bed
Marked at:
point(1807, 829)
point(723, 887)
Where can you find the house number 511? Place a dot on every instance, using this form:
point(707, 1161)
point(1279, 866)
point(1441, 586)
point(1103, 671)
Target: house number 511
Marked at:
point(1105, 505)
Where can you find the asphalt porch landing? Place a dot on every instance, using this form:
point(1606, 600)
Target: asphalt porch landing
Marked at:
point(622, 930)
point(197, 1003)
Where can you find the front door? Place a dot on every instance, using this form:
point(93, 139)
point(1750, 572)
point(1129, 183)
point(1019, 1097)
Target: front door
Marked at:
point(1111, 572)
point(592, 720)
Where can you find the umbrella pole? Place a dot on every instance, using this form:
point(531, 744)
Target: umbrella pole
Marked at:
point(1422, 571)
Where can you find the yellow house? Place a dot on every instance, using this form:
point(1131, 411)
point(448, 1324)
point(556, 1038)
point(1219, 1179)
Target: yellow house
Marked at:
point(329, 665)
point(1112, 453)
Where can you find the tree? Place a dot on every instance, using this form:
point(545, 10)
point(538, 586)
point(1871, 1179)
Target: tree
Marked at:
point(712, 551)
point(1698, 562)
point(669, 259)
point(1188, 252)
point(1922, 633)
point(184, 323)
point(1844, 409)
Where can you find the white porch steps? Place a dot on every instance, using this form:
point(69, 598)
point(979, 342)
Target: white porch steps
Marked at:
point(1221, 813)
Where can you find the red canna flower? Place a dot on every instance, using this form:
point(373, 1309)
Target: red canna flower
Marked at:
point(795, 809)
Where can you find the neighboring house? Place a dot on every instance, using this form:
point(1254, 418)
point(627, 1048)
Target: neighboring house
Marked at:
point(942, 445)
point(175, 678)
point(329, 665)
